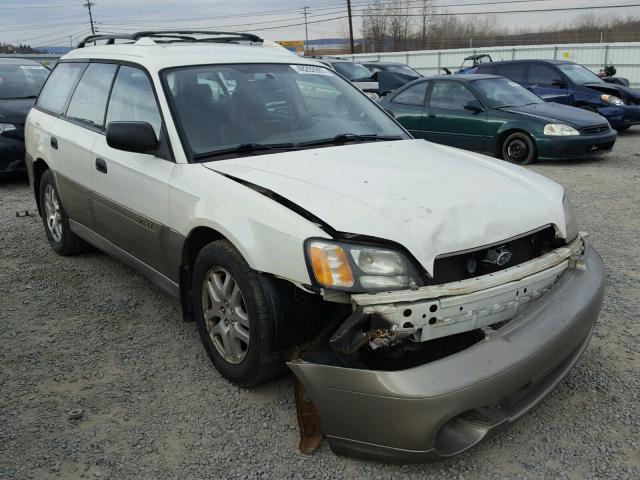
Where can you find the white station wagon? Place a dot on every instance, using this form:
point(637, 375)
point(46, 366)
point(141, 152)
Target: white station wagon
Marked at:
point(424, 296)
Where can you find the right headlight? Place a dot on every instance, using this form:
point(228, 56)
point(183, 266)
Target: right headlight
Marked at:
point(571, 225)
point(358, 268)
point(612, 99)
point(560, 130)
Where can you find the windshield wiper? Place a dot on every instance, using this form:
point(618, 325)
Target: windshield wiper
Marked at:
point(245, 148)
point(349, 137)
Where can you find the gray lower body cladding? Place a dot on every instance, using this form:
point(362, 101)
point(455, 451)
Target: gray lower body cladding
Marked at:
point(443, 408)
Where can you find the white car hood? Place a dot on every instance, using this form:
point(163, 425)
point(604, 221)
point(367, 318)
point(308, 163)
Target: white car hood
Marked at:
point(429, 198)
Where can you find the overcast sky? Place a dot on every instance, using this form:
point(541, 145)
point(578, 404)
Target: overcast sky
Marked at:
point(51, 22)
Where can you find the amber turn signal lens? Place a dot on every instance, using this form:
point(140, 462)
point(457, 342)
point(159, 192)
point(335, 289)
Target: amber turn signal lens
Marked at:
point(330, 265)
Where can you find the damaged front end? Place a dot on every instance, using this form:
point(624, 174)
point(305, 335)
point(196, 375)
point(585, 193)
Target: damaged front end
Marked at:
point(425, 373)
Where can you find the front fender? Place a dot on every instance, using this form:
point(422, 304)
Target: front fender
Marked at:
point(269, 235)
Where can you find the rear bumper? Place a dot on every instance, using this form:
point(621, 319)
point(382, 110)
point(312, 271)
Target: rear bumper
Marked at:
point(443, 408)
point(11, 155)
point(580, 146)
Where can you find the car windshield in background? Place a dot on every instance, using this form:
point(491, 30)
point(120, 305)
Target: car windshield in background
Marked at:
point(249, 107)
point(21, 81)
point(404, 69)
point(579, 74)
point(353, 72)
point(502, 92)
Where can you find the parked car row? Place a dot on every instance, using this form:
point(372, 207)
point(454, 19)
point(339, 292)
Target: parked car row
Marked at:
point(439, 292)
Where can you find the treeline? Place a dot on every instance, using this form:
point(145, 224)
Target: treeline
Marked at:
point(8, 48)
point(401, 25)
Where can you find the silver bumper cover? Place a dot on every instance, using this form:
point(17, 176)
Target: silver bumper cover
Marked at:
point(445, 407)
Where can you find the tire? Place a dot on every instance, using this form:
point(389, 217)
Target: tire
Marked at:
point(235, 322)
point(623, 129)
point(519, 148)
point(56, 222)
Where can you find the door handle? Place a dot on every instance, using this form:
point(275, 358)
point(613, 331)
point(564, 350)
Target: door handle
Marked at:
point(101, 165)
point(54, 143)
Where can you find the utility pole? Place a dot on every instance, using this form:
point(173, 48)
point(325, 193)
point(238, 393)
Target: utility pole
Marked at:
point(90, 4)
point(306, 32)
point(350, 25)
point(70, 41)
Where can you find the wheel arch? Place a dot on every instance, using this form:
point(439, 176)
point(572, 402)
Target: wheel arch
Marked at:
point(39, 167)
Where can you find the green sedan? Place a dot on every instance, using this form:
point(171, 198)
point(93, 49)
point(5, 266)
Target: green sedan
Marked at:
point(494, 115)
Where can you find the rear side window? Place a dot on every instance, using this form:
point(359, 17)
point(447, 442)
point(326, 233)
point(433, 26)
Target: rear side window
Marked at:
point(132, 99)
point(56, 91)
point(542, 74)
point(89, 101)
point(513, 72)
point(413, 95)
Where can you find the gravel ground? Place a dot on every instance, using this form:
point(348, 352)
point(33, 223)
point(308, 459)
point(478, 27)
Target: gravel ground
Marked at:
point(89, 333)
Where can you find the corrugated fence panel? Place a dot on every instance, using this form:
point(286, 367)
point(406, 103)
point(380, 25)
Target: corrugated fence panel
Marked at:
point(625, 56)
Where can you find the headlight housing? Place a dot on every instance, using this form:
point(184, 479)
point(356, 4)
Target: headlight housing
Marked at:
point(571, 225)
point(560, 130)
point(358, 268)
point(612, 99)
point(7, 127)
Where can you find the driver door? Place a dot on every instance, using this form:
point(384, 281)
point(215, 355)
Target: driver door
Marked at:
point(449, 123)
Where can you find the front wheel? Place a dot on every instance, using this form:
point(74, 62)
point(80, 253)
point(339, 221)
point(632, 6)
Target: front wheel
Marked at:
point(234, 320)
point(519, 148)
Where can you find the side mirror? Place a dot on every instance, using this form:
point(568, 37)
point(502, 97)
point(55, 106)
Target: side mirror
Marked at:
point(558, 82)
point(138, 137)
point(473, 106)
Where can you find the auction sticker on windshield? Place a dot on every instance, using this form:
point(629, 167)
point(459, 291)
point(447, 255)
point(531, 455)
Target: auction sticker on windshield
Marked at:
point(311, 69)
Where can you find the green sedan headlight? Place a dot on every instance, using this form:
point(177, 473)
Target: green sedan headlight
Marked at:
point(560, 130)
point(612, 99)
point(571, 224)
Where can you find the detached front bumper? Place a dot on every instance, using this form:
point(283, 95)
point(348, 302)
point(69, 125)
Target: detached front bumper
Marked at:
point(580, 146)
point(443, 408)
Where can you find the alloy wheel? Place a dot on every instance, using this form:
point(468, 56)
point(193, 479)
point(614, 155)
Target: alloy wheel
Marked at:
point(52, 212)
point(225, 315)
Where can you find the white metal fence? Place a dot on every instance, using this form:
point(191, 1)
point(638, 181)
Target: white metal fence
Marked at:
point(45, 58)
point(625, 56)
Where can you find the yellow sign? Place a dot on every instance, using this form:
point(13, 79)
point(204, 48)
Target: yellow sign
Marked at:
point(296, 46)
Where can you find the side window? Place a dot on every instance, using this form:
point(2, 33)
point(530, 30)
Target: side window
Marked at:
point(414, 95)
point(450, 95)
point(89, 101)
point(542, 74)
point(58, 87)
point(132, 99)
point(512, 71)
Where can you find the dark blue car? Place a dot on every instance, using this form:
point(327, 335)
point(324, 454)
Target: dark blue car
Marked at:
point(572, 84)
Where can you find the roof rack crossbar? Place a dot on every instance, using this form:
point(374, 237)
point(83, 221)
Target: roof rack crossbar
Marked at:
point(109, 38)
point(179, 35)
point(162, 33)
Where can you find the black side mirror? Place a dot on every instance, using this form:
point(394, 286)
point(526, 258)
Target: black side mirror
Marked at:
point(558, 82)
point(474, 106)
point(138, 137)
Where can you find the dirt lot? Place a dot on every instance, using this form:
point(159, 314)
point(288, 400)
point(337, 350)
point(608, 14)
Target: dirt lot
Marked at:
point(90, 333)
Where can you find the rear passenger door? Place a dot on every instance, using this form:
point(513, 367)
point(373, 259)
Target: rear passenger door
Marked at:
point(548, 82)
point(130, 204)
point(78, 93)
point(408, 107)
point(449, 123)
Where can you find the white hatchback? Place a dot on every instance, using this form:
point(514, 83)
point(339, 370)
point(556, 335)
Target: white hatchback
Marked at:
point(297, 221)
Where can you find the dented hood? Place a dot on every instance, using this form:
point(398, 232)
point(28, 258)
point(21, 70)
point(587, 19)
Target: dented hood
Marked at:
point(430, 198)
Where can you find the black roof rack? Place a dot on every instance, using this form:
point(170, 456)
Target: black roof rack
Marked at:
point(175, 36)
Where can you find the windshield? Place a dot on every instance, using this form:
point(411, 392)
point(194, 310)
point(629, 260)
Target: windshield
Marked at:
point(352, 71)
point(579, 74)
point(21, 81)
point(502, 92)
point(219, 107)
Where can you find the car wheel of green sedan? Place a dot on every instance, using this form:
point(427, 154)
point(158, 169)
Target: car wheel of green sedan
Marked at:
point(519, 148)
